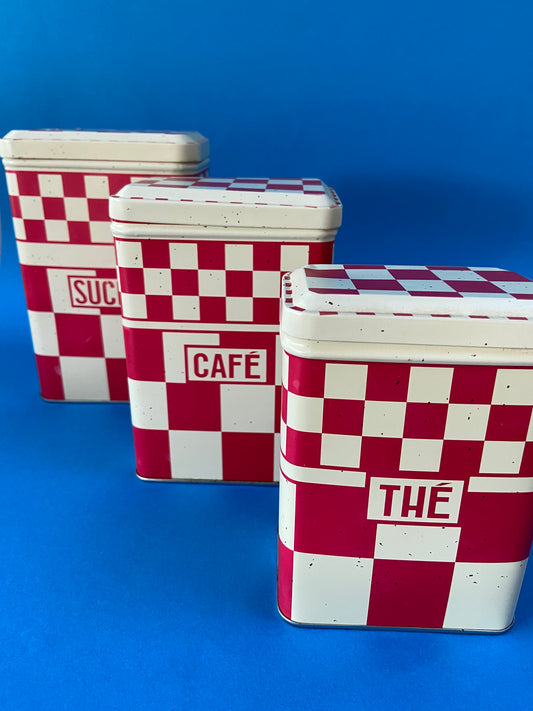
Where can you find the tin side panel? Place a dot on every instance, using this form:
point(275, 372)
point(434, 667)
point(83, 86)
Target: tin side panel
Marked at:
point(201, 324)
point(413, 501)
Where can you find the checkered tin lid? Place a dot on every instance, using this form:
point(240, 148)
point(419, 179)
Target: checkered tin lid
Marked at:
point(421, 305)
point(60, 145)
point(302, 203)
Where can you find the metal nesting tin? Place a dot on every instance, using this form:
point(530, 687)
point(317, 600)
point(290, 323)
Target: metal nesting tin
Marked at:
point(200, 269)
point(406, 491)
point(59, 184)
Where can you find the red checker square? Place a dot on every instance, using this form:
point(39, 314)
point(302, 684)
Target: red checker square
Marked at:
point(377, 285)
point(79, 335)
point(156, 253)
point(36, 288)
point(213, 309)
point(409, 593)
point(159, 307)
point(284, 399)
point(79, 232)
point(28, 183)
point(211, 255)
point(73, 184)
point(117, 182)
point(131, 280)
point(415, 274)
point(239, 283)
point(185, 282)
point(152, 453)
point(248, 456)
point(303, 448)
point(473, 384)
point(144, 349)
point(495, 528)
point(388, 381)
point(14, 201)
point(266, 310)
point(526, 466)
point(54, 208)
point(460, 458)
point(321, 252)
point(502, 275)
point(117, 378)
point(51, 382)
point(332, 520)
point(98, 209)
point(267, 256)
point(508, 422)
point(277, 408)
point(285, 575)
point(194, 406)
point(35, 230)
point(381, 455)
point(425, 420)
point(306, 376)
point(343, 416)
point(474, 287)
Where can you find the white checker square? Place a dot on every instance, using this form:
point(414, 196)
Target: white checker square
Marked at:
point(287, 511)
point(483, 596)
point(247, 408)
point(96, 186)
point(84, 378)
point(185, 308)
point(330, 284)
point(183, 255)
point(51, 185)
point(427, 543)
point(467, 422)
point(239, 257)
point(157, 282)
point(76, 209)
point(31, 207)
point(13, 184)
point(430, 384)
point(383, 419)
point(149, 408)
point(458, 275)
point(113, 336)
point(284, 369)
point(294, 256)
point(195, 455)
point(212, 282)
point(516, 287)
point(134, 306)
point(18, 228)
point(421, 455)
point(239, 308)
point(346, 381)
point(100, 232)
point(304, 413)
point(338, 450)
point(330, 590)
point(283, 437)
point(43, 333)
point(529, 436)
point(513, 387)
point(501, 457)
point(129, 254)
point(369, 274)
point(59, 282)
point(267, 284)
point(430, 285)
point(56, 231)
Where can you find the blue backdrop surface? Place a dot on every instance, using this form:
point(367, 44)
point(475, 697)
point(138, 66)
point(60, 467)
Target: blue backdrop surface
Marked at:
point(121, 594)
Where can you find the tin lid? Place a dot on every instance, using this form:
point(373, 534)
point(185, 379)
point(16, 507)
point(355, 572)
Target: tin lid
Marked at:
point(302, 203)
point(470, 306)
point(156, 147)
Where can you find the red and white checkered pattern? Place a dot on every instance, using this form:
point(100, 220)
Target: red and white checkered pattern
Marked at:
point(63, 234)
point(445, 282)
point(216, 302)
point(406, 493)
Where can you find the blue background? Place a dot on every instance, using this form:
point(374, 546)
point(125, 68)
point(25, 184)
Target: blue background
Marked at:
point(121, 594)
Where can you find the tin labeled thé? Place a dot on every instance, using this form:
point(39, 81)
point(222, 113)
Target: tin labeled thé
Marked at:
point(200, 269)
point(59, 184)
point(406, 486)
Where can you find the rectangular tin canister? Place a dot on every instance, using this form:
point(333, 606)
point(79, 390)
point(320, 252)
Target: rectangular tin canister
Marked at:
point(406, 488)
point(200, 270)
point(59, 184)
